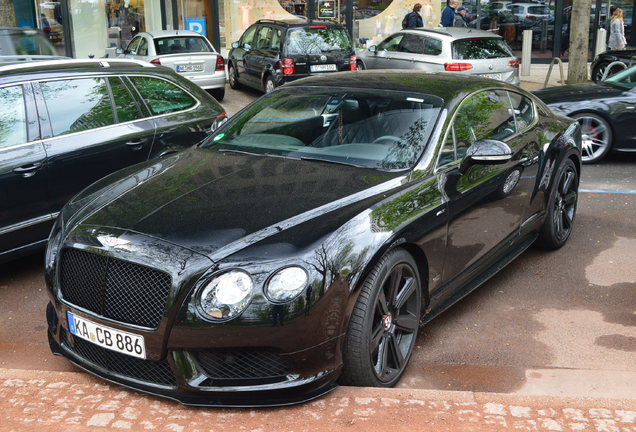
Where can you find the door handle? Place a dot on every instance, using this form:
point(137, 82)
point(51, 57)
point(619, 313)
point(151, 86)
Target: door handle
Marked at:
point(136, 144)
point(28, 170)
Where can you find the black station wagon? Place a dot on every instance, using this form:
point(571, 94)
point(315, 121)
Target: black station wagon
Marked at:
point(272, 53)
point(67, 123)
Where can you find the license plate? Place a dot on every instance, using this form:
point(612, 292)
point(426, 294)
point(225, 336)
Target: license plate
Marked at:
point(189, 68)
point(323, 68)
point(496, 76)
point(107, 337)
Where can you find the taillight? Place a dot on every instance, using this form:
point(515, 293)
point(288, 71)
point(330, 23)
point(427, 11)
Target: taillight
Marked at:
point(514, 63)
point(220, 63)
point(156, 62)
point(457, 67)
point(288, 66)
point(352, 62)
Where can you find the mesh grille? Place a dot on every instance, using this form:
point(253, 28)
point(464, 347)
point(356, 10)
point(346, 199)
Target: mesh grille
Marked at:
point(114, 288)
point(139, 369)
point(243, 365)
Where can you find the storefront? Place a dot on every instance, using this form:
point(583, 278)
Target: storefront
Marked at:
point(83, 28)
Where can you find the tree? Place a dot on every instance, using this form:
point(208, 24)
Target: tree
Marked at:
point(579, 41)
point(7, 13)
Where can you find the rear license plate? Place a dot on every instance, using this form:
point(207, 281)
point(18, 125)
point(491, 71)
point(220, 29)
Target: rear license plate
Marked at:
point(106, 337)
point(496, 76)
point(189, 68)
point(323, 68)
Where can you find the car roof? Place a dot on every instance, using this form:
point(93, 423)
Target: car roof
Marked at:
point(73, 65)
point(169, 33)
point(456, 32)
point(446, 85)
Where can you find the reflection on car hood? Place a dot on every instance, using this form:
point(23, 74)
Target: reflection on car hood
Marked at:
point(207, 200)
point(577, 92)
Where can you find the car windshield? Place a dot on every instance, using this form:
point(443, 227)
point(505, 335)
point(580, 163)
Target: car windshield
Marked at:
point(31, 43)
point(480, 48)
point(181, 44)
point(316, 40)
point(378, 129)
point(625, 79)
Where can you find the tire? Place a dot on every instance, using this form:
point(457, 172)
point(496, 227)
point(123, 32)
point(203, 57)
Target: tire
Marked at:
point(599, 70)
point(233, 77)
point(597, 137)
point(270, 85)
point(561, 210)
point(384, 323)
point(360, 65)
point(218, 93)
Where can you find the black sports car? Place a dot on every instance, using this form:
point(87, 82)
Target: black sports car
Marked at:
point(306, 241)
point(599, 66)
point(606, 111)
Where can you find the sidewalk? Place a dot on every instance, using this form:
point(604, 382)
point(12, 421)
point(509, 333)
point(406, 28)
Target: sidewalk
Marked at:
point(538, 74)
point(77, 402)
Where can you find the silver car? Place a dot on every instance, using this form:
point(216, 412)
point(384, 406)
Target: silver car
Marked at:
point(187, 52)
point(452, 49)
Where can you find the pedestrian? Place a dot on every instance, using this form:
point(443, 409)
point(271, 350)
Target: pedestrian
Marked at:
point(617, 31)
point(413, 19)
point(448, 14)
point(459, 20)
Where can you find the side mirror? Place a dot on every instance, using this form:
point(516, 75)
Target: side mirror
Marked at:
point(119, 51)
point(235, 44)
point(485, 152)
point(373, 48)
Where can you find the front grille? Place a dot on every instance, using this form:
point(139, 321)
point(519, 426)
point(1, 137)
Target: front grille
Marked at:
point(234, 367)
point(143, 370)
point(113, 288)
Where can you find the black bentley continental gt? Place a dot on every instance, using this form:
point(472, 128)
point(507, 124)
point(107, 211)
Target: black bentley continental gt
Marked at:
point(305, 242)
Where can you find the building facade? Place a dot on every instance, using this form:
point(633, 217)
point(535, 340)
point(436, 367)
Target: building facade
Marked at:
point(85, 28)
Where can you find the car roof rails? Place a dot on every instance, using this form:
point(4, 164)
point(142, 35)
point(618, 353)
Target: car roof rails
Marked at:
point(74, 63)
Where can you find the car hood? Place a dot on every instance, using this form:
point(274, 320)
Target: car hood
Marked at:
point(218, 203)
point(577, 92)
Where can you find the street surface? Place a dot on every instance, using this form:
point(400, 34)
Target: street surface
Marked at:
point(549, 343)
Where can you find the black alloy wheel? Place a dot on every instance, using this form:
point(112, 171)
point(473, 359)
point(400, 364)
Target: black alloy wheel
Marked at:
point(599, 70)
point(234, 84)
point(384, 323)
point(561, 208)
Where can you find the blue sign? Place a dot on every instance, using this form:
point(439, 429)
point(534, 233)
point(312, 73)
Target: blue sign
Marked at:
point(196, 24)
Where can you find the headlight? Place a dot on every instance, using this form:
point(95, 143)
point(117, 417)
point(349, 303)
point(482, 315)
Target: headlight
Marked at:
point(226, 295)
point(286, 284)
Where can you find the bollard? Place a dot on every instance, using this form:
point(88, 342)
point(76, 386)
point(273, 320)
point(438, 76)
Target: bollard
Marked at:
point(526, 52)
point(601, 45)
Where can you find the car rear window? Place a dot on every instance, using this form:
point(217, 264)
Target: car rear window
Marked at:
point(181, 44)
point(480, 48)
point(539, 10)
point(315, 40)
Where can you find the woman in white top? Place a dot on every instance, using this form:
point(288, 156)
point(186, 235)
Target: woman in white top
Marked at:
point(617, 31)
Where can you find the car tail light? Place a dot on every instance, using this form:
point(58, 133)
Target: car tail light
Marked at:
point(514, 63)
point(156, 62)
point(220, 63)
point(457, 67)
point(352, 62)
point(288, 66)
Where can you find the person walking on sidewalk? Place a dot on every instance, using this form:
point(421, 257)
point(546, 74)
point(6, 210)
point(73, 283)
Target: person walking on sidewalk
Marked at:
point(459, 19)
point(617, 31)
point(448, 14)
point(413, 19)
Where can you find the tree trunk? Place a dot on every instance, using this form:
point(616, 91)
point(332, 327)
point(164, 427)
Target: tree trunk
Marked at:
point(579, 41)
point(7, 13)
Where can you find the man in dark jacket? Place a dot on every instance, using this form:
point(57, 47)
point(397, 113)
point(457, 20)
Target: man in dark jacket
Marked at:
point(413, 18)
point(448, 14)
point(460, 17)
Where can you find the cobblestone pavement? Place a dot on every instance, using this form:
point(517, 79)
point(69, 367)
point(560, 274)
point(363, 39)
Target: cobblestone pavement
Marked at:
point(69, 402)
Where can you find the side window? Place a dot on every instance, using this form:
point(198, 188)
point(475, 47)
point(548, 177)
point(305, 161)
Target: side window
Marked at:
point(263, 39)
point(161, 96)
point(276, 34)
point(13, 123)
point(391, 44)
point(412, 44)
point(132, 46)
point(248, 36)
point(523, 111)
point(431, 46)
point(125, 106)
point(77, 105)
point(142, 50)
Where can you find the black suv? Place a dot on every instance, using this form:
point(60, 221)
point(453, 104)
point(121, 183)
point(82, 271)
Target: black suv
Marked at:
point(67, 123)
point(271, 53)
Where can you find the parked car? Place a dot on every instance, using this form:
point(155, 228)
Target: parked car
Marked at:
point(308, 237)
point(627, 57)
point(271, 53)
point(24, 44)
point(530, 11)
point(187, 52)
point(605, 111)
point(455, 49)
point(67, 123)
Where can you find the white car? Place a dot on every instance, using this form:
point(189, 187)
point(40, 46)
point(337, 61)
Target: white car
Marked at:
point(529, 11)
point(187, 52)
